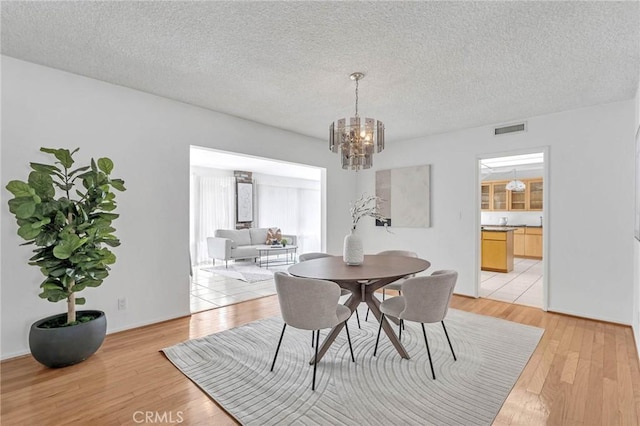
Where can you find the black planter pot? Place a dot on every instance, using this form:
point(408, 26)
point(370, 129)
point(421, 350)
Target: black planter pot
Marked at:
point(64, 346)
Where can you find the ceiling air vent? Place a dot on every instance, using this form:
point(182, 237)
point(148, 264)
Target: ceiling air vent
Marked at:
point(513, 128)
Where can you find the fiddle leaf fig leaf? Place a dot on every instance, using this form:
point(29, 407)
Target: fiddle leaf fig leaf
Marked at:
point(109, 259)
point(118, 184)
point(25, 210)
point(64, 156)
point(41, 223)
point(15, 203)
point(27, 232)
point(47, 285)
point(69, 244)
point(105, 164)
point(20, 189)
point(62, 251)
point(45, 168)
point(42, 184)
point(78, 170)
point(80, 300)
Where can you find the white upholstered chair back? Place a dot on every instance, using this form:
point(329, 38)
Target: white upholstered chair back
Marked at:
point(427, 298)
point(398, 253)
point(307, 303)
point(313, 255)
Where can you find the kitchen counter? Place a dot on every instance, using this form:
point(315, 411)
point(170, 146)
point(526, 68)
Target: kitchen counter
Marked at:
point(510, 226)
point(497, 248)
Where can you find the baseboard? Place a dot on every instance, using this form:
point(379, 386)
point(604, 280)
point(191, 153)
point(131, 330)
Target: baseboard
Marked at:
point(146, 323)
point(582, 316)
point(23, 353)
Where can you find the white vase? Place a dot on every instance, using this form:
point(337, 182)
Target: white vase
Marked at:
point(353, 254)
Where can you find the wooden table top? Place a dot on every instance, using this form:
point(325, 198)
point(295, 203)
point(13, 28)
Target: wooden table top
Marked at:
point(374, 267)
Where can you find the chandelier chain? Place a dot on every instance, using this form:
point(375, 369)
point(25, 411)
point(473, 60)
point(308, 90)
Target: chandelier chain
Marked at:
point(357, 81)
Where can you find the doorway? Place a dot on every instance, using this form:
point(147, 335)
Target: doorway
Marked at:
point(283, 195)
point(512, 212)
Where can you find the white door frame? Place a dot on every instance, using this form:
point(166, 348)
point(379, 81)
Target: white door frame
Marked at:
point(546, 184)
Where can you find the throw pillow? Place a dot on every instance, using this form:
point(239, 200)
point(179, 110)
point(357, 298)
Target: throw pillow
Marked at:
point(274, 235)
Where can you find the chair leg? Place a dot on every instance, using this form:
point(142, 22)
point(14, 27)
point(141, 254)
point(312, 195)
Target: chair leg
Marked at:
point(451, 347)
point(400, 327)
point(315, 361)
point(428, 351)
point(366, 317)
point(346, 328)
point(383, 294)
point(358, 318)
point(401, 322)
point(378, 337)
point(278, 348)
point(313, 335)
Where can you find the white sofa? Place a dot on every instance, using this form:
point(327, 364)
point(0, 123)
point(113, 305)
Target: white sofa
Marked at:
point(231, 244)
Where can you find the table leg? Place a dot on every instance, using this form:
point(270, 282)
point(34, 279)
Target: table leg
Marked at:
point(352, 303)
point(374, 304)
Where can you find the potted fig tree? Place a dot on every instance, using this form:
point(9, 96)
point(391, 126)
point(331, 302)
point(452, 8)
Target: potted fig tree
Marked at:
point(66, 213)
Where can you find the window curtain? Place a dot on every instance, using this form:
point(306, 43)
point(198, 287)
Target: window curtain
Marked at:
point(212, 207)
point(296, 211)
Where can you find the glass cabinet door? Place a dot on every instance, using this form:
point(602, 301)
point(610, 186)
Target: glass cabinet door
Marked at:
point(517, 200)
point(485, 197)
point(535, 194)
point(500, 196)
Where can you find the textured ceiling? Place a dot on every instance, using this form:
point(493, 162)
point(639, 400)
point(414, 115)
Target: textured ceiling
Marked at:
point(431, 67)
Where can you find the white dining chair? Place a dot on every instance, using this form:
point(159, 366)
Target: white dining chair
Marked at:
point(396, 285)
point(424, 300)
point(310, 304)
point(343, 291)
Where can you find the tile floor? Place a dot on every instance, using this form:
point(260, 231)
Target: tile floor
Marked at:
point(209, 290)
point(523, 285)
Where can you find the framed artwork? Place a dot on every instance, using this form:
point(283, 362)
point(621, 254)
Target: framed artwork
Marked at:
point(637, 211)
point(405, 194)
point(244, 202)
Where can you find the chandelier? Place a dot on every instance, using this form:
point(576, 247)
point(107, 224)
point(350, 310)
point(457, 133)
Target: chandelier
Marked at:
point(355, 141)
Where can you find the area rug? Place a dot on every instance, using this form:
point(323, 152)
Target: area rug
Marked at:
point(250, 273)
point(232, 367)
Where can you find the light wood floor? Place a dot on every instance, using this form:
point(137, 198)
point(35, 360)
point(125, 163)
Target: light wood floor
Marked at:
point(582, 373)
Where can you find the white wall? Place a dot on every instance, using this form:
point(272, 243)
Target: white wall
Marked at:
point(148, 138)
point(590, 210)
point(636, 252)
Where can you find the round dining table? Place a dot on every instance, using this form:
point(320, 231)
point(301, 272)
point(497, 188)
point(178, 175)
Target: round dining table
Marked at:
point(362, 281)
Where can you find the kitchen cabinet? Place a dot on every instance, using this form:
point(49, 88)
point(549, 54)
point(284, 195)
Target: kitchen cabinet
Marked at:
point(518, 201)
point(497, 251)
point(495, 197)
point(534, 188)
point(533, 243)
point(499, 196)
point(518, 242)
point(485, 196)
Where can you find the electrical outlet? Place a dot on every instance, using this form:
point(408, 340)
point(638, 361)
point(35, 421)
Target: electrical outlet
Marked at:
point(122, 304)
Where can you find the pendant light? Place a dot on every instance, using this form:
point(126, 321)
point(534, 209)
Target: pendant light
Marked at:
point(356, 140)
point(516, 185)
